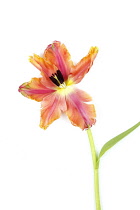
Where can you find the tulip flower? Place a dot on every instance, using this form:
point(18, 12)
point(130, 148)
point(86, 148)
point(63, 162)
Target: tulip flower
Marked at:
point(56, 88)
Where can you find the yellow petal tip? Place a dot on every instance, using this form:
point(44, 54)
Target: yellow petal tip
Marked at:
point(94, 50)
point(30, 58)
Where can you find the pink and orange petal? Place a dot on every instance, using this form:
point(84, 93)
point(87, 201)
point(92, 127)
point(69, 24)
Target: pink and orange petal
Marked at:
point(80, 69)
point(43, 65)
point(57, 54)
point(52, 107)
point(34, 89)
point(80, 114)
point(82, 95)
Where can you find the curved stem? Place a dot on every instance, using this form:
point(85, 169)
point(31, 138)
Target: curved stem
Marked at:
point(95, 166)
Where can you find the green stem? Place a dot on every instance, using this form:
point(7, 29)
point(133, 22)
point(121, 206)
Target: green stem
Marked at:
point(95, 166)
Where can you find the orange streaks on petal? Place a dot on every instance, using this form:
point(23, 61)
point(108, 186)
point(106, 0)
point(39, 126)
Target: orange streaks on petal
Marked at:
point(34, 89)
point(48, 83)
point(46, 68)
point(82, 95)
point(52, 106)
point(58, 55)
point(82, 68)
point(80, 114)
point(32, 60)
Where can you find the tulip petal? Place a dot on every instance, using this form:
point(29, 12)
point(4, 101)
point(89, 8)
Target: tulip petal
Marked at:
point(80, 69)
point(35, 89)
point(52, 106)
point(46, 68)
point(57, 54)
point(82, 95)
point(80, 114)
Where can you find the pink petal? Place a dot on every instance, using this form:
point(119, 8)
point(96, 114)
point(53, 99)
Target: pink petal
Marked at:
point(35, 89)
point(52, 106)
point(57, 54)
point(80, 114)
point(80, 69)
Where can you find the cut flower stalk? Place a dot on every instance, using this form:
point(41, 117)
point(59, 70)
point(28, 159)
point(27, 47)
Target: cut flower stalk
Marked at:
point(96, 157)
point(96, 168)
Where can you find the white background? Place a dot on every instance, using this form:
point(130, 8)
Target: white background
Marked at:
point(52, 169)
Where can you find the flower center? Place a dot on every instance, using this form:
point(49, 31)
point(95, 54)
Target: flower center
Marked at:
point(58, 79)
point(65, 91)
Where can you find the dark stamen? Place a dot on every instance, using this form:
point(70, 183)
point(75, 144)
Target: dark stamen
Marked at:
point(57, 78)
point(54, 81)
point(60, 76)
